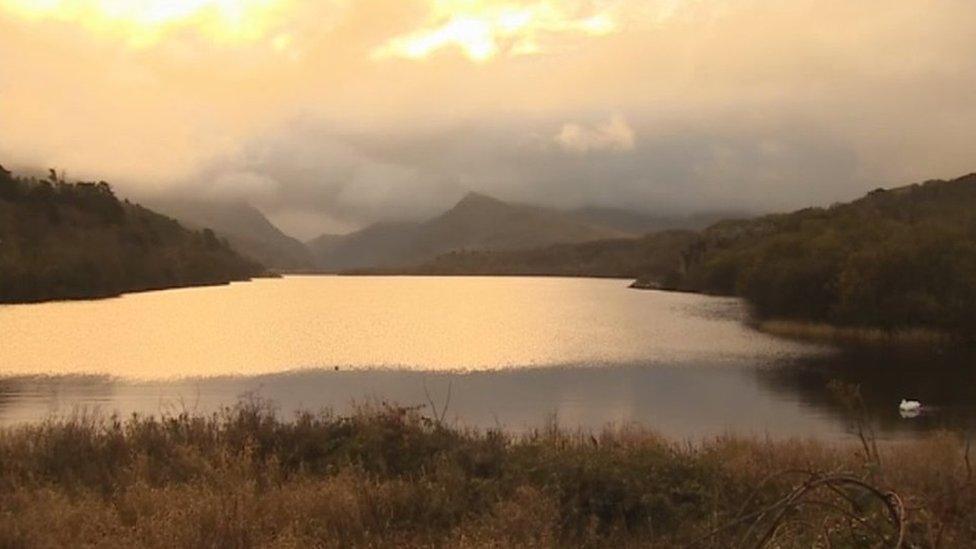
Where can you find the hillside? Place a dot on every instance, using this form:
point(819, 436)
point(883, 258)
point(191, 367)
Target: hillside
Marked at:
point(658, 255)
point(900, 258)
point(477, 222)
point(381, 244)
point(245, 227)
point(640, 223)
point(62, 240)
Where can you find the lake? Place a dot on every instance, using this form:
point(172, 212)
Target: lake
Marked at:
point(511, 352)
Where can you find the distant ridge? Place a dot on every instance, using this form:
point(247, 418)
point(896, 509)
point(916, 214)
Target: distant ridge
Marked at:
point(657, 254)
point(643, 223)
point(376, 245)
point(245, 227)
point(476, 222)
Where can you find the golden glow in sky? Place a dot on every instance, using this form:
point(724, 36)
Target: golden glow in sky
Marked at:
point(483, 29)
point(363, 108)
point(145, 22)
point(479, 29)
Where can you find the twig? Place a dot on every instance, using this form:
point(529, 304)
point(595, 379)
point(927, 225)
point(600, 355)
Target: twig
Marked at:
point(969, 465)
point(826, 533)
point(438, 416)
point(847, 514)
point(447, 401)
point(891, 501)
point(798, 498)
point(430, 401)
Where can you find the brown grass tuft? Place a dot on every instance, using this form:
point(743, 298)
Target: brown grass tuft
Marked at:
point(812, 331)
point(391, 477)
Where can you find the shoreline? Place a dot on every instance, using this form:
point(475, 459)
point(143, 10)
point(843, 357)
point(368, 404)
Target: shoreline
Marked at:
point(853, 336)
point(435, 274)
point(134, 291)
point(822, 332)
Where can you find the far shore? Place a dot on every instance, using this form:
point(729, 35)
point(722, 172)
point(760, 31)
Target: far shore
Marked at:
point(144, 290)
point(820, 332)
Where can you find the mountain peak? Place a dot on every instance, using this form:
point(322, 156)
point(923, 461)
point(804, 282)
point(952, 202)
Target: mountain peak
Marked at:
point(476, 222)
point(476, 199)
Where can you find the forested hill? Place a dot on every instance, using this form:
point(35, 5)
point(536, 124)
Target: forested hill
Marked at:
point(246, 228)
point(61, 240)
point(656, 255)
point(898, 258)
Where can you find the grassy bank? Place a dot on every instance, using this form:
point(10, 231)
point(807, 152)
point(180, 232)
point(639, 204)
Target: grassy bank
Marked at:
point(389, 476)
point(847, 335)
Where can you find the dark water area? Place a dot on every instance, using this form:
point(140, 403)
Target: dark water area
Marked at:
point(944, 381)
point(688, 402)
point(513, 353)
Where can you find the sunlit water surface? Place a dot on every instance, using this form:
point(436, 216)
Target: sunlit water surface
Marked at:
point(512, 352)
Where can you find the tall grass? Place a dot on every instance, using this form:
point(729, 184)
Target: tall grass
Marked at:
point(852, 335)
point(388, 476)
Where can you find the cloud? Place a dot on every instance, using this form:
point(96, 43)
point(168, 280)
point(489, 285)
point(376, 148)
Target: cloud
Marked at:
point(243, 185)
point(332, 178)
point(763, 103)
point(614, 135)
point(145, 23)
point(483, 30)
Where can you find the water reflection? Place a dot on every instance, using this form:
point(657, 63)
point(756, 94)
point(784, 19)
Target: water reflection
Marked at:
point(587, 352)
point(271, 326)
point(33, 398)
point(685, 402)
point(943, 381)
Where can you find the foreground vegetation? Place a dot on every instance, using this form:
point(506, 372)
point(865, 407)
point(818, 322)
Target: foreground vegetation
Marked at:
point(389, 476)
point(61, 240)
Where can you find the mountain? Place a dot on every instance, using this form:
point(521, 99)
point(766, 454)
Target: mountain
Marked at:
point(61, 240)
point(245, 227)
point(657, 254)
point(381, 244)
point(477, 222)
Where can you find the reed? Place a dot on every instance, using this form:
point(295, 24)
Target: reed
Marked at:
point(850, 335)
point(390, 476)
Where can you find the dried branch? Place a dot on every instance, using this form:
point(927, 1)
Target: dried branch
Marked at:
point(772, 519)
point(439, 416)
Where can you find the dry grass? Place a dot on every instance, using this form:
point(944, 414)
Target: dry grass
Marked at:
point(811, 331)
point(390, 477)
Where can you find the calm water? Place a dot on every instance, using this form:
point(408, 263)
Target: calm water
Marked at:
point(514, 352)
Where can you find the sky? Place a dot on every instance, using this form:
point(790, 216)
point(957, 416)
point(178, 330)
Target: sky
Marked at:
point(332, 114)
